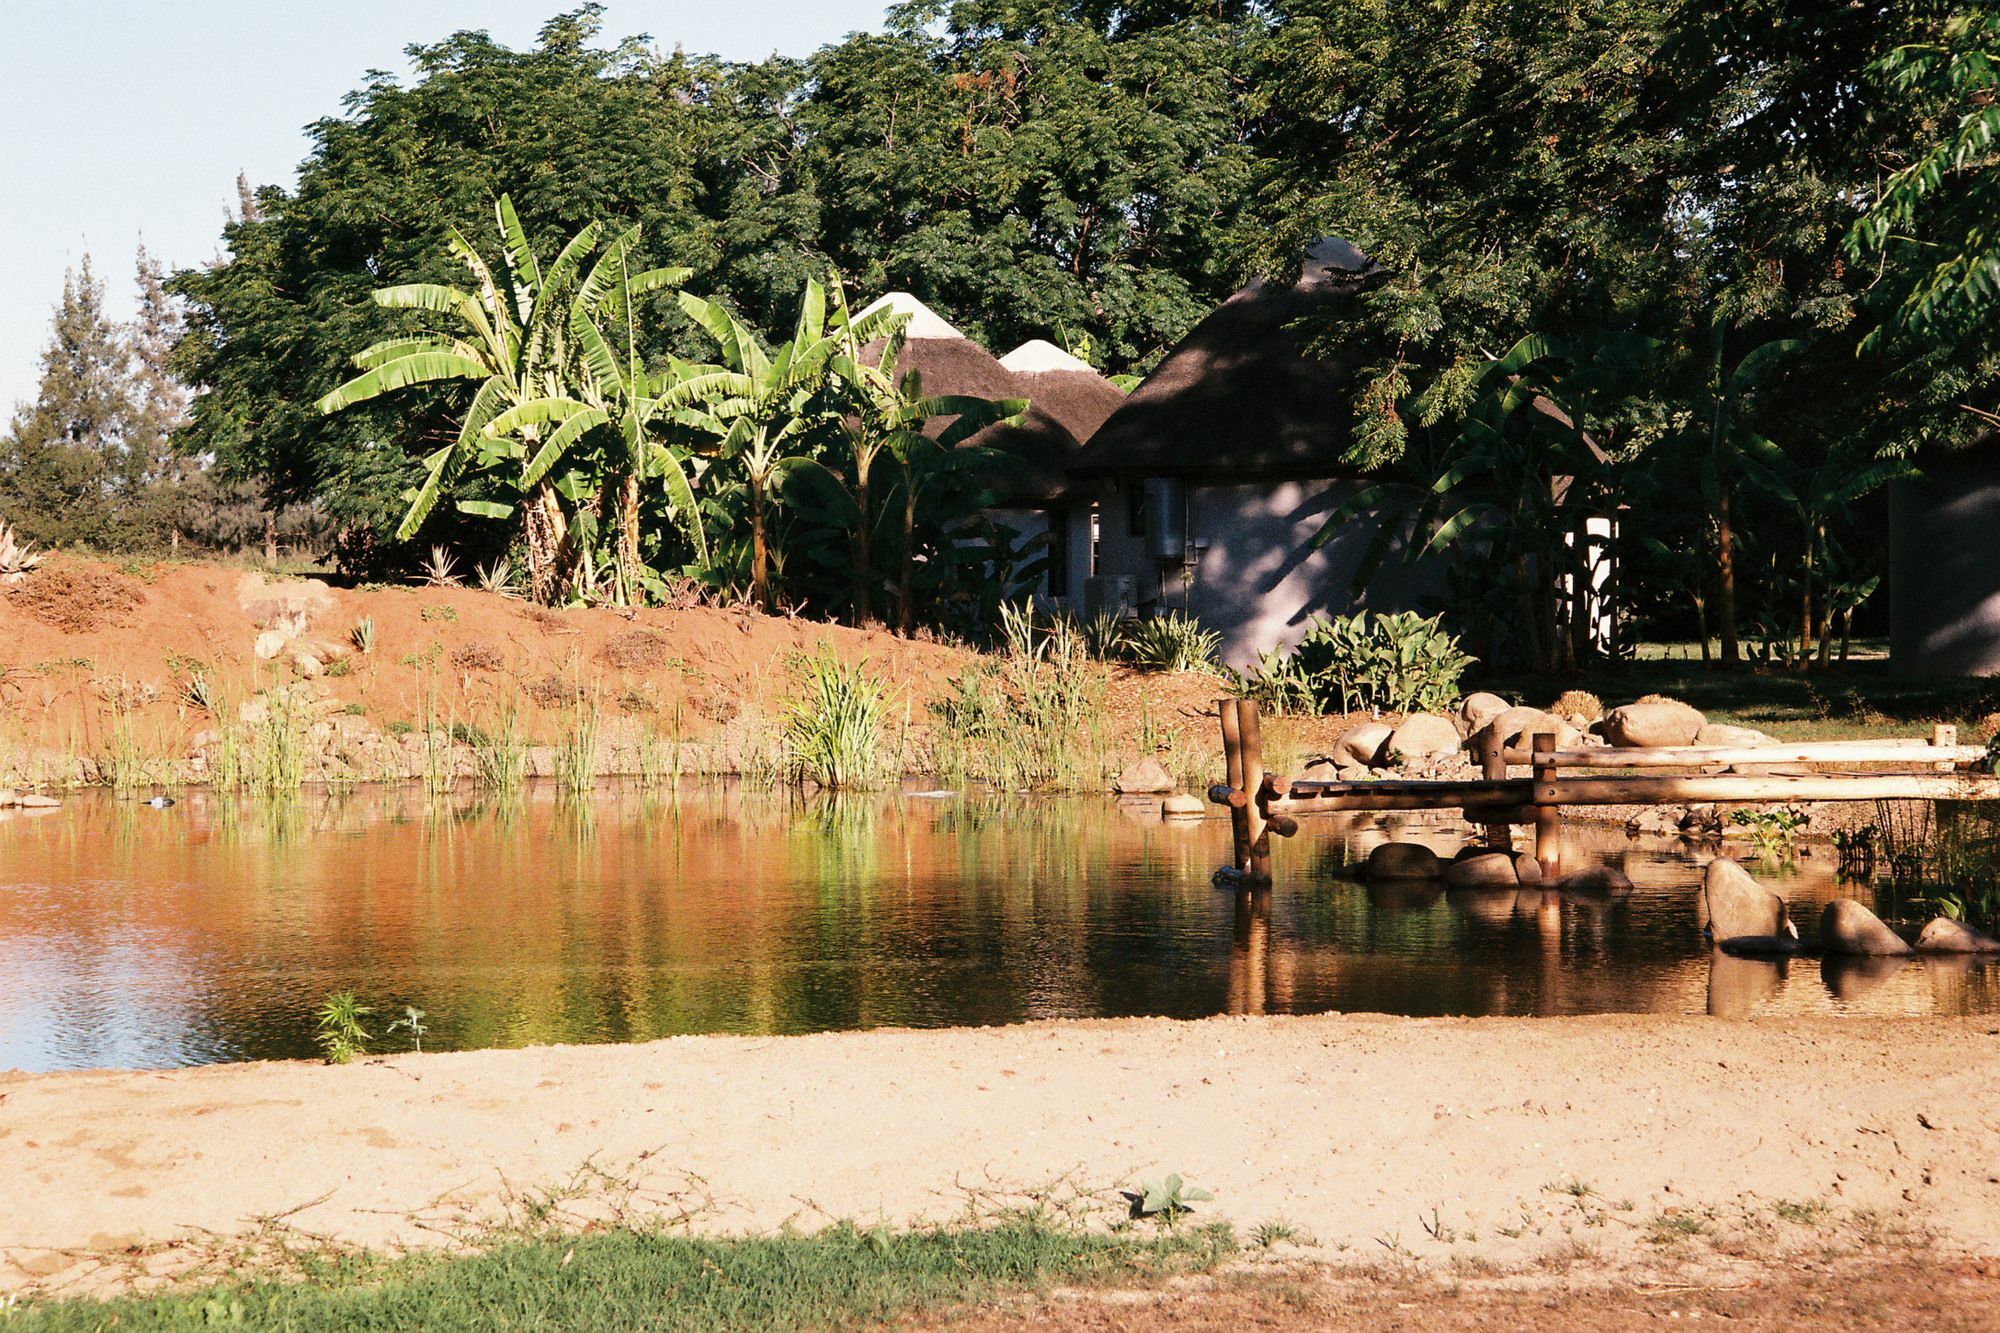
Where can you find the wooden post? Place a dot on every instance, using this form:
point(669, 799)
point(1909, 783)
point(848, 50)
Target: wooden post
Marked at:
point(1493, 766)
point(1251, 728)
point(1548, 814)
point(1232, 755)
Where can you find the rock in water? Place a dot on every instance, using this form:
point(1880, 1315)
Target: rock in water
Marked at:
point(1402, 860)
point(1483, 870)
point(1526, 868)
point(1181, 805)
point(1148, 777)
point(1947, 936)
point(1606, 880)
point(1422, 737)
point(1476, 710)
point(1666, 722)
point(1734, 906)
point(1846, 927)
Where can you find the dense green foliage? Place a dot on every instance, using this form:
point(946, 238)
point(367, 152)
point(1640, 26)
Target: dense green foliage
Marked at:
point(1403, 663)
point(1721, 266)
point(626, 1279)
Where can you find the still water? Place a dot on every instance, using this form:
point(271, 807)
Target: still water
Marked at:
point(209, 931)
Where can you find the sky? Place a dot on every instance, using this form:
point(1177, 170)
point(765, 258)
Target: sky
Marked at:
point(124, 121)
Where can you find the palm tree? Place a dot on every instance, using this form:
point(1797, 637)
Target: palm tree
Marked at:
point(514, 336)
point(761, 406)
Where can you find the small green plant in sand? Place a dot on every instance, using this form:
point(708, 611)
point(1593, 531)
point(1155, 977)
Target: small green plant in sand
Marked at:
point(1166, 1201)
point(412, 1022)
point(340, 1034)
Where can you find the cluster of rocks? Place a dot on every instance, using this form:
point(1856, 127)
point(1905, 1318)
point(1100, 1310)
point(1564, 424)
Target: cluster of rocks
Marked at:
point(1476, 867)
point(1741, 916)
point(284, 614)
point(26, 800)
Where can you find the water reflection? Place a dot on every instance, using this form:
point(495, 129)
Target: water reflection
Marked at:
point(207, 932)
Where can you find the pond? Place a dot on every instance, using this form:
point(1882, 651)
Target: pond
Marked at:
point(209, 931)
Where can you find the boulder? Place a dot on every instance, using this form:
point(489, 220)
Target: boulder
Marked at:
point(1515, 728)
point(1148, 777)
point(1664, 722)
point(292, 602)
point(1476, 710)
point(1181, 805)
point(1402, 860)
point(36, 801)
point(1734, 906)
point(1734, 738)
point(270, 643)
point(1944, 935)
point(1846, 927)
point(1486, 870)
point(1362, 746)
point(1354, 773)
point(1601, 881)
point(308, 666)
point(1526, 868)
point(1423, 737)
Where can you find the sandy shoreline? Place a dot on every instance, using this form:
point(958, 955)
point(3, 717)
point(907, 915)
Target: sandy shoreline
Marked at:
point(1500, 1138)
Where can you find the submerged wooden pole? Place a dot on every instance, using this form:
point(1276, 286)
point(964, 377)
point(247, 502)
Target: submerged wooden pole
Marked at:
point(1232, 757)
point(1493, 766)
point(1250, 727)
point(1548, 813)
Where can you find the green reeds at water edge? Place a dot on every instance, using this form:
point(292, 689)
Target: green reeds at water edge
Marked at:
point(576, 748)
point(501, 752)
point(833, 731)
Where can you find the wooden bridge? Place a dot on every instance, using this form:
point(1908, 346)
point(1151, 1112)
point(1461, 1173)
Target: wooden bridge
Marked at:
point(1262, 804)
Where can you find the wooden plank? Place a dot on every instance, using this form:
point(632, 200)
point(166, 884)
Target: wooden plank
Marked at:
point(1640, 789)
point(1822, 752)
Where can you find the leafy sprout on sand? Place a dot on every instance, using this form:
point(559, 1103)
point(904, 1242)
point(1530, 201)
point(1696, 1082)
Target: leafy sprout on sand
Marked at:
point(412, 1022)
point(340, 1033)
point(1166, 1201)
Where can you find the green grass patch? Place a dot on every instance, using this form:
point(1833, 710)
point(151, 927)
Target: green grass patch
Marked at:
point(626, 1279)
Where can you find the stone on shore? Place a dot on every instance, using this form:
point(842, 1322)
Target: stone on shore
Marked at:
point(1476, 710)
point(1733, 906)
point(1665, 722)
point(1734, 738)
point(1526, 868)
point(1148, 777)
point(1847, 927)
point(1944, 935)
point(1422, 737)
point(1402, 860)
point(1362, 746)
point(1517, 727)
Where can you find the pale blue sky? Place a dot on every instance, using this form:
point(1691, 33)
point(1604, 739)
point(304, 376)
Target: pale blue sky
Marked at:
point(123, 120)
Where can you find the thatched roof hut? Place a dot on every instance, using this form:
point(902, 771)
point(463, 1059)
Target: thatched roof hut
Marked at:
point(1065, 404)
point(1239, 398)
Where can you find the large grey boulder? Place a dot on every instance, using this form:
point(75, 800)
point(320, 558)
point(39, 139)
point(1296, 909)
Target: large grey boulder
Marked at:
point(1424, 736)
point(1490, 869)
point(1733, 906)
point(1402, 860)
point(1148, 777)
point(1361, 746)
point(1476, 710)
point(1944, 935)
point(1662, 722)
point(1846, 927)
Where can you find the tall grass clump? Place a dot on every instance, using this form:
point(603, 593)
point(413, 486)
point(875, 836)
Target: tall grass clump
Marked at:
point(501, 752)
point(277, 757)
point(576, 749)
point(1172, 642)
point(123, 766)
point(1034, 719)
point(833, 730)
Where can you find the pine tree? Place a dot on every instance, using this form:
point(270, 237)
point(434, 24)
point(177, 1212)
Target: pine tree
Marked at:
point(64, 474)
point(159, 403)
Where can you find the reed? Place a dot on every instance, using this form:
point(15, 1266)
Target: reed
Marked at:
point(833, 731)
point(277, 755)
point(501, 752)
point(576, 749)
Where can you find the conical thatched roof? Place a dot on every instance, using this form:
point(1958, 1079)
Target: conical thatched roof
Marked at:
point(1239, 397)
point(1064, 406)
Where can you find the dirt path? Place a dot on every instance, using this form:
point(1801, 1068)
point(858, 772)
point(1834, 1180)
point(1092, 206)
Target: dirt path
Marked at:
point(1499, 1141)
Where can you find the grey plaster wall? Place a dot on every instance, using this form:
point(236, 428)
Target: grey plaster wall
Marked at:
point(1259, 581)
point(1944, 571)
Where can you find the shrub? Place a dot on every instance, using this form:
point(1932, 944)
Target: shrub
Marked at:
point(1173, 642)
point(1403, 663)
point(1578, 704)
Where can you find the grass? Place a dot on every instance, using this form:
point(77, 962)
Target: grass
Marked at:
point(833, 730)
point(576, 749)
point(1854, 699)
point(630, 1279)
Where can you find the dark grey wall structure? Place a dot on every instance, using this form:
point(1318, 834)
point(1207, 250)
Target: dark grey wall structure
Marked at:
point(1944, 568)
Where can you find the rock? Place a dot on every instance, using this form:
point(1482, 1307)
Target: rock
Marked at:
point(1602, 881)
point(7, 797)
point(1760, 946)
point(1476, 710)
point(1734, 906)
point(1354, 773)
point(1526, 868)
point(1666, 722)
point(1515, 728)
point(1734, 738)
point(1148, 777)
point(1487, 870)
point(34, 801)
point(308, 666)
point(1181, 805)
point(1402, 860)
point(270, 643)
point(1422, 737)
point(1361, 746)
point(1701, 821)
point(293, 601)
point(1654, 821)
point(1944, 935)
point(1846, 927)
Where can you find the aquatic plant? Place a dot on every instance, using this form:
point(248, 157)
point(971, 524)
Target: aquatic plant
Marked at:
point(339, 1032)
point(576, 750)
point(1774, 833)
point(411, 1022)
point(278, 741)
point(501, 751)
point(833, 730)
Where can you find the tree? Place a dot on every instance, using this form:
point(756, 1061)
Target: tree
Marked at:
point(66, 472)
point(159, 401)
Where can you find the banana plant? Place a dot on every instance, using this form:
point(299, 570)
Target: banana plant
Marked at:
point(762, 408)
point(612, 392)
point(513, 335)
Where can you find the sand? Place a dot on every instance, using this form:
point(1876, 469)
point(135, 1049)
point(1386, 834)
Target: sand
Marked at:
point(1501, 1139)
